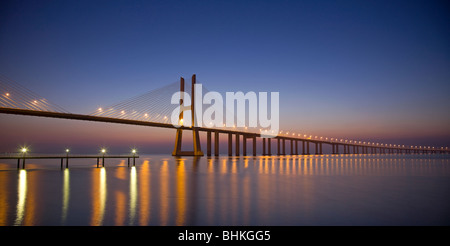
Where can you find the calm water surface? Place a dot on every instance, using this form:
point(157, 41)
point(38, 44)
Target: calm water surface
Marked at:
point(163, 190)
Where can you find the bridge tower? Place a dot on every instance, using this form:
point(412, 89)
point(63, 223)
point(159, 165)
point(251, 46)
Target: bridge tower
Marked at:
point(196, 139)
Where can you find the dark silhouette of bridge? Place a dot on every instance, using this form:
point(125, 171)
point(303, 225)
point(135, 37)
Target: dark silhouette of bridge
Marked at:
point(25, 102)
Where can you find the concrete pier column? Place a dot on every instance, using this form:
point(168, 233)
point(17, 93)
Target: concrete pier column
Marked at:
point(244, 145)
point(264, 146)
point(208, 143)
point(317, 148)
point(237, 145)
point(307, 148)
point(292, 146)
point(320, 149)
point(284, 146)
point(269, 148)
point(303, 147)
point(254, 146)
point(216, 143)
point(296, 147)
point(230, 144)
point(278, 146)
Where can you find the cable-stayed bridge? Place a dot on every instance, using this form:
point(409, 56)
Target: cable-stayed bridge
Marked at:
point(155, 109)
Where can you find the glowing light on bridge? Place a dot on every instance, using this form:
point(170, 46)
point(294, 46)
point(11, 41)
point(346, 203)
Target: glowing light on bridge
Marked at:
point(7, 94)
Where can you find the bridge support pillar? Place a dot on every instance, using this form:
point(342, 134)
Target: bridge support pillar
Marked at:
point(296, 147)
point(317, 148)
point(230, 144)
point(269, 148)
point(208, 143)
point(320, 149)
point(179, 135)
point(278, 146)
point(307, 148)
point(284, 146)
point(292, 147)
point(264, 146)
point(303, 147)
point(254, 146)
point(237, 145)
point(244, 145)
point(216, 143)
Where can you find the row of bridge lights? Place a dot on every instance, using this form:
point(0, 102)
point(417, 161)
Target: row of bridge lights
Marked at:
point(7, 94)
point(123, 112)
point(24, 150)
point(358, 142)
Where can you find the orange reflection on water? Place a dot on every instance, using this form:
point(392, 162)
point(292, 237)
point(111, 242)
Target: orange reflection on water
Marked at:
point(210, 180)
point(164, 192)
point(120, 199)
point(144, 193)
point(31, 193)
point(4, 194)
point(206, 191)
point(99, 196)
point(181, 192)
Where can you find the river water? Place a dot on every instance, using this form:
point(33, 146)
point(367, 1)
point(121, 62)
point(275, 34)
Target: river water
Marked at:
point(290, 190)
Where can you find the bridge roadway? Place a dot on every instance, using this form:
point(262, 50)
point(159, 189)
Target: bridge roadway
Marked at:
point(348, 148)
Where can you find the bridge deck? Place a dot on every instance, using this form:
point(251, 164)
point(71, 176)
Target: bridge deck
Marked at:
point(167, 125)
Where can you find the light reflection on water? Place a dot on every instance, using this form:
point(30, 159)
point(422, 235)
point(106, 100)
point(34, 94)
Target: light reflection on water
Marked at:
point(163, 190)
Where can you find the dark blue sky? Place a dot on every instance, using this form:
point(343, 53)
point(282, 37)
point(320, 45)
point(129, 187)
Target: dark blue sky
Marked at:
point(359, 69)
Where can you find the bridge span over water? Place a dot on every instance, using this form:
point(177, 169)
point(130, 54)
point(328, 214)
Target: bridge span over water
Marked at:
point(17, 100)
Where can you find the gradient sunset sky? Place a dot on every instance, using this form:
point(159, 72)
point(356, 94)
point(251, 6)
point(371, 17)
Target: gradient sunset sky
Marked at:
point(364, 70)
